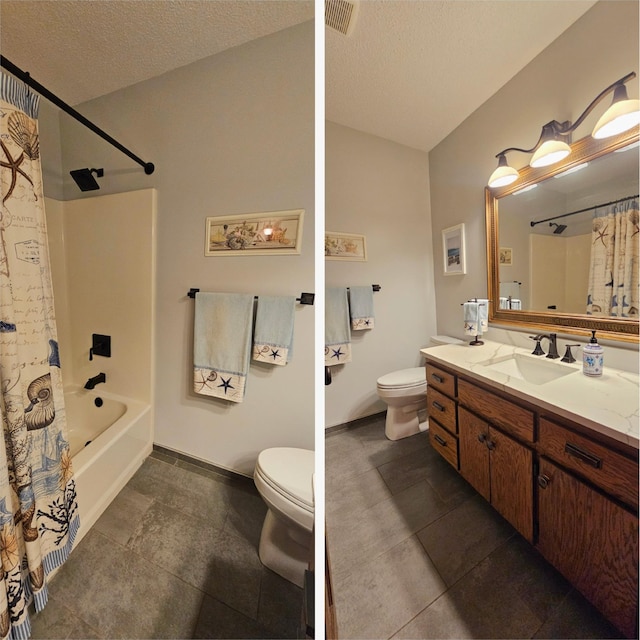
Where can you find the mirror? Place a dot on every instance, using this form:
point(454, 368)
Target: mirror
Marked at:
point(538, 274)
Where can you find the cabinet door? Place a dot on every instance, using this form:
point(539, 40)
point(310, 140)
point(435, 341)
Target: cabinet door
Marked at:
point(473, 454)
point(592, 541)
point(512, 481)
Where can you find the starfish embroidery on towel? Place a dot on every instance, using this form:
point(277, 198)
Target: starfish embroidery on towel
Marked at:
point(337, 353)
point(226, 384)
point(275, 354)
point(367, 322)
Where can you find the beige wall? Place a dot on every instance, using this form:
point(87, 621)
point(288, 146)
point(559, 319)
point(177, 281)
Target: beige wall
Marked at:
point(379, 189)
point(230, 134)
point(599, 48)
point(103, 264)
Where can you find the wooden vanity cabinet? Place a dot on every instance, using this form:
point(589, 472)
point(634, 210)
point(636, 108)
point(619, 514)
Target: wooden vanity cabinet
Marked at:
point(592, 541)
point(569, 490)
point(499, 468)
point(442, 412)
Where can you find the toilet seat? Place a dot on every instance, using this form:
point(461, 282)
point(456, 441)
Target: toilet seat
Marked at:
point(289, 473)
point(403, 379)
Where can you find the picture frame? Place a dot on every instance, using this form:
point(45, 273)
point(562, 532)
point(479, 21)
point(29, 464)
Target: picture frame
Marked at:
point(255, 234)
point(454, 251)
point(345, 246)
point(505, 256)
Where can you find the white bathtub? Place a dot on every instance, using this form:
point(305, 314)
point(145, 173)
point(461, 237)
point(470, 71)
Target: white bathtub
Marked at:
point(108, 444)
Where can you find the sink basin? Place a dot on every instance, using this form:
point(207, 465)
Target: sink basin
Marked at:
point(535, 370)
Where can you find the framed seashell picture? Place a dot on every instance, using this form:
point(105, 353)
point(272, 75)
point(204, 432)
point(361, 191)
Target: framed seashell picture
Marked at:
point(345, 246)
point(267, 233)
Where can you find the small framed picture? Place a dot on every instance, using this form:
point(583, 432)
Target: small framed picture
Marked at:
point(255, 234)
point(453, 250)
point(345, 246)
point(506, 256)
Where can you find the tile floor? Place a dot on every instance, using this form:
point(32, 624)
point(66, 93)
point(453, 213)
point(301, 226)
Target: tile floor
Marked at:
point(174, 556)
point(417, 553)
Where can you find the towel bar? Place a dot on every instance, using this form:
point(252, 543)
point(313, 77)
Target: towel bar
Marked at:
point(305, 298)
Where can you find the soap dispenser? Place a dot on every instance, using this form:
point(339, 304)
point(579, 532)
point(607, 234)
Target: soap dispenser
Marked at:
point(592, 357)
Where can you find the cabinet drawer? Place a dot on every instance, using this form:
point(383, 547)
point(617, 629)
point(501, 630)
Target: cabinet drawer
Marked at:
point(607, 469)
point(444, 443)
point(441, 380)
point(496, 410)
point(442, 409)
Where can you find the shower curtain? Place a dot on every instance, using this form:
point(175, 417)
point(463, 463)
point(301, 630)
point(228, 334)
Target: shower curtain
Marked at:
point(613, 275)
point(38, 508)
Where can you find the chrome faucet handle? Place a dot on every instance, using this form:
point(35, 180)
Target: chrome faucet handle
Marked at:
point(568, 356)
point(538, 350)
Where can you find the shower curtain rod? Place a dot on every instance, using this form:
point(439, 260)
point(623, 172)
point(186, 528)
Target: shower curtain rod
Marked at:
point(45, 93)
point(573, 213)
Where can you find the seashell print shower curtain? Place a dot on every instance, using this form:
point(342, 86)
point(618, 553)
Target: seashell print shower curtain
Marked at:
point(38, 508)
point(614, 270)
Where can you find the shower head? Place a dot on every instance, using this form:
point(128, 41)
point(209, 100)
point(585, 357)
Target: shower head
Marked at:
point(85, 180)
point(559, 228)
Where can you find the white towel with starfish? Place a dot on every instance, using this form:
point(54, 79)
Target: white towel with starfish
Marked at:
point(222, 344)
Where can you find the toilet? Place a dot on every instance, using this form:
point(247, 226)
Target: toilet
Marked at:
point(284, 479)
point(404, 392)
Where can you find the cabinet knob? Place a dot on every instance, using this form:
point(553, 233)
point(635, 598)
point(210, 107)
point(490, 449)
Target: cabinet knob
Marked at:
point(543, 481)
point(481, 437)
point(438, 406)
point(491, 445)
point(437, 378)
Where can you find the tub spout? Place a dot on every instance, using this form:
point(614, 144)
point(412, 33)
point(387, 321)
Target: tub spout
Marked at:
point(92, 382)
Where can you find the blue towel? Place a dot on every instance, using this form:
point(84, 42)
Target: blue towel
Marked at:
point(337, 337)
point(273, 334)
point(472, 319)
point(222, 344)
point(361, 307)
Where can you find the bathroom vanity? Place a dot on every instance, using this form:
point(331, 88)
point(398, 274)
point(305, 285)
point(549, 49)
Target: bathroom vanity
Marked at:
point(555, 453)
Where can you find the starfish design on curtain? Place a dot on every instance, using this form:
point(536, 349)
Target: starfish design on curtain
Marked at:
point(14, 165)
point(226, 384)
point(601, 236)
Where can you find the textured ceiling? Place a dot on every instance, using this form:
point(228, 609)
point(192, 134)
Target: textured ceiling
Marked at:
point(412, 71)
point(82, 49)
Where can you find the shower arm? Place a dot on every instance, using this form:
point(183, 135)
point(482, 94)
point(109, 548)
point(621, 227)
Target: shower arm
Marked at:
point(45, 93)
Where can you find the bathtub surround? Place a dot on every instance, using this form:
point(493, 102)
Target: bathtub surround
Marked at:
point(39, 510)
point(245, 119)
point(103, 260)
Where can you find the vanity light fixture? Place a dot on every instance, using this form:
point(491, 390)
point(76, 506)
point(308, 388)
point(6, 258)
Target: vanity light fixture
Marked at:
point(552, 146)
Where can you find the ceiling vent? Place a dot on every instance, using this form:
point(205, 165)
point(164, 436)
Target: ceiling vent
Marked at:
point(340, 15)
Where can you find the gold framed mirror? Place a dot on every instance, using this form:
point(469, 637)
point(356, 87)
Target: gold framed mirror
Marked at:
point(510, 267)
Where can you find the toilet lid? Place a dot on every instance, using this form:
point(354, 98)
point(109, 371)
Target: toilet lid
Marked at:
point(404, 378)
point(289, 471)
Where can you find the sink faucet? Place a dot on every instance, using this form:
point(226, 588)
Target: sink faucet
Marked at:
point(92, 382)
point(553, 345)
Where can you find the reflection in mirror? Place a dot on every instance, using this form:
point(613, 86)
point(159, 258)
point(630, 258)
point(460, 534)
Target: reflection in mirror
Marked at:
point(551, 253)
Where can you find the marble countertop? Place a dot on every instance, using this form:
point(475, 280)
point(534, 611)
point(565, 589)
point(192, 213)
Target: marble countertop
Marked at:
point(609, 404)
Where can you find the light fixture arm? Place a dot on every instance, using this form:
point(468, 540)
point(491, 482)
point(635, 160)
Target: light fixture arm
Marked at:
point(554, 128)
point(594, 102)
